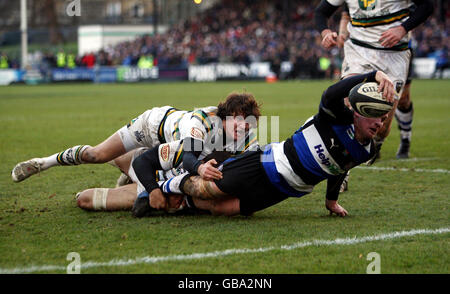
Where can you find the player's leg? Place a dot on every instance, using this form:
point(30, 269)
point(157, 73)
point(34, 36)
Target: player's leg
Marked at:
point(134, 135)
point(244, 178)
point(123, 163)
point(183, 184)
point(104, 152)
point(397, 66)
point(104, 199)
point(197, 187)
point(345, 75)
point(227, 207)
point(404, 116)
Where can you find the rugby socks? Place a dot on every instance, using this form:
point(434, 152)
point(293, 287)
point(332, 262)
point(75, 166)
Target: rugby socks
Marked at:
point(404, 120)
point(70, 156)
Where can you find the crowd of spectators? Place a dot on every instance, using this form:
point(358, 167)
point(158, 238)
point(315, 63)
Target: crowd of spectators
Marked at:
point(432, 40)
point(250, 31)
point(239, 32)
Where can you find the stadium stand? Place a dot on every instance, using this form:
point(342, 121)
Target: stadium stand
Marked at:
point(248, 31)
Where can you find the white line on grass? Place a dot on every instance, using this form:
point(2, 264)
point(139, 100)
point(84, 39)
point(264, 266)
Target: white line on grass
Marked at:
point(415, 159)
point(215, 254)
point(419, 170)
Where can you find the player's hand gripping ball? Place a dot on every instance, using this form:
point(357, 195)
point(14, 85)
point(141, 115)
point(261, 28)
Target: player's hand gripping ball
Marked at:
point(367, 101)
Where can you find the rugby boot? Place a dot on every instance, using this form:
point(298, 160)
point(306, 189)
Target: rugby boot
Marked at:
point(141, 206)
point(123, 180)
point(26, 169)
point(403, 149)
point(344, 185)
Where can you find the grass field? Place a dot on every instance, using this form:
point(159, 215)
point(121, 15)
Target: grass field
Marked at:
point(40, 223)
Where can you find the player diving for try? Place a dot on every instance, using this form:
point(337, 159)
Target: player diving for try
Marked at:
point(158, 126)
point(378, 36)
point(329, 144)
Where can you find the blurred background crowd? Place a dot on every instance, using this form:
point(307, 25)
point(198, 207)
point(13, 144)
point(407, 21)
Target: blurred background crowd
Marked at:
point(243, 32)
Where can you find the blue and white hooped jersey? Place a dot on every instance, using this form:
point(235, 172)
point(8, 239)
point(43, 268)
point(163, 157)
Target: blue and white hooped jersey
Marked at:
point(317, 151)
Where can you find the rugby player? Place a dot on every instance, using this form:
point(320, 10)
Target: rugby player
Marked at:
point(123, 197)
point(378, 39)
point(329, 144)
point(160, 125)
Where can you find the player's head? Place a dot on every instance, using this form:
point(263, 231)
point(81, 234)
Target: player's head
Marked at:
point(365, 127)
point(239, 112)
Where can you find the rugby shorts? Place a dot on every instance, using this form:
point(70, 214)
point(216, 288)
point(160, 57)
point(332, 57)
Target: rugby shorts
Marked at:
point(143, 130)
point(244, 177)
point(361, 60)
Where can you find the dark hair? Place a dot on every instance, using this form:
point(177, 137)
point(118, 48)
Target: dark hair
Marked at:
point(239, 104)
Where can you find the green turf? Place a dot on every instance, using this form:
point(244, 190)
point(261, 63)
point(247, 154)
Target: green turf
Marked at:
point(40, 223)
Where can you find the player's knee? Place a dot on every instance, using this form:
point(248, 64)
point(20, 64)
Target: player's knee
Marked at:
point(405, 99)
point(93, 155)
point(404, 102)
point(84, 199)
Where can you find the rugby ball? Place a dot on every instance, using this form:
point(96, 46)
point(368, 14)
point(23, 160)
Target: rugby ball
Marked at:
point(365, 100)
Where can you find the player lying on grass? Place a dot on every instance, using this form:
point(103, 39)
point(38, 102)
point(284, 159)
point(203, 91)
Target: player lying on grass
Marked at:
point(158, 126)
point(330, 143)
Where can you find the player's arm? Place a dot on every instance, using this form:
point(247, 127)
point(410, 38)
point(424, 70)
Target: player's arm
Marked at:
point(322, 13)
point(191, 151)
point(332, 195)
point(192, 148)
point(343, 32)
point(333, 98)
point(145, 167)
point(421, 13)
point(392, 36)
point(195, 139)
point(197, 187)
point(332, 102)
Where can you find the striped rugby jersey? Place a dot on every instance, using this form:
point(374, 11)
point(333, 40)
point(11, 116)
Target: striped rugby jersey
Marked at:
point(323, 148)
point(204, 125)
point(370, 18)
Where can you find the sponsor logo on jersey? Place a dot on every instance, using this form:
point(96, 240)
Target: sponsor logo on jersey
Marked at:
point(398, 86)
point(367, 4)
point(333, 145)
point(350, 133)
point(164, 152)
point(325, 160)
point(196, 133)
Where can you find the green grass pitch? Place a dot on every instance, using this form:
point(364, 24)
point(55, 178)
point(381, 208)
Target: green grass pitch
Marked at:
point(40, 223)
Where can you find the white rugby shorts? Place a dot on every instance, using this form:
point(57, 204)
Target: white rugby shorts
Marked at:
point(361, 60)
point(143, 130)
